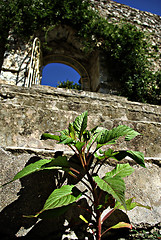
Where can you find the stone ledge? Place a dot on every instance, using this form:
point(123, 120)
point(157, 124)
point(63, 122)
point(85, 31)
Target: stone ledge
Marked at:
point(144, 184)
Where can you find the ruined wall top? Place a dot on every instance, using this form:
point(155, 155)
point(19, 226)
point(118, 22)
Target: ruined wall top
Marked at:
point(114, 12)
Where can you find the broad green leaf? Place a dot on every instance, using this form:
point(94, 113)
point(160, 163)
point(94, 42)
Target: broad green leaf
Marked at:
point(98, 130)
point(102, 136)
point(65, 139)
point(108, 143)
point(49, 214)
point(50, 136)
point(65, 132)
point(90, 142)
point(52, 213)
point(100, 157)
point(31, 168)
point(135, 155)
point(79, 146)
point(61, 197)
point(94, 134)
point(114, 186)
point(86, 135)
point(72, 132)
point(80, 124)
point(130, 205)
point(60, 161)
point(44, 164)
point(95, 129)
point(106, 154)
point(121, 170)
point(106, 136)
point(121, 225)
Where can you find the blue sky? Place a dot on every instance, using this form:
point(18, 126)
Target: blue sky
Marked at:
point(56, 72)
point(153, 6)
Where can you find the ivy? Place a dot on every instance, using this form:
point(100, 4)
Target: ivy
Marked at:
point(128, 50)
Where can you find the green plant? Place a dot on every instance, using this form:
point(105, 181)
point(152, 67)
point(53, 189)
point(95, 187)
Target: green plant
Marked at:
point(86, 145)
point(128, 50)
point(69, 85)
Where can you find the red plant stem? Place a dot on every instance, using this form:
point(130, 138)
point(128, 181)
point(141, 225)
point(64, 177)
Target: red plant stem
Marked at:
point(88, 162)
point(74, 170)
point(80, 157)
point(96, 203)
point(98, 229)
point(91, 145)
point(106, 231)
point(108, 214)
point(84, 159)
point(100, 195)
point(84, 147)
point(71, 174)
point(73, 150)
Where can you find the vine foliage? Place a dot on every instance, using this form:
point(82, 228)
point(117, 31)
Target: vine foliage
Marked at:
point(127, 49)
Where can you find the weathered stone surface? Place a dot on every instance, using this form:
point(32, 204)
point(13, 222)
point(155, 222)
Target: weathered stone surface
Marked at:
point(145, 186)
point(26, 113)
point(27, 196)
point(23, 197)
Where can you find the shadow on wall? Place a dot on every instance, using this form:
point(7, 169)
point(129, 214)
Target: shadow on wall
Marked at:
point(35, 190)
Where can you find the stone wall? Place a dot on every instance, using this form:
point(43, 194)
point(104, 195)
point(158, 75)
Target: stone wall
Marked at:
point(25, 113)
point(29, 112)
point(15, 62)
point(146, 21)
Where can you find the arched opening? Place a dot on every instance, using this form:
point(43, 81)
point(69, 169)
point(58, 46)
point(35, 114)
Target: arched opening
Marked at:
point(71, 65)
point(53, 74)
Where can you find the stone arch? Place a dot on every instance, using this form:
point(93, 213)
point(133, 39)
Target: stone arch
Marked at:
point(67, 60)
point(64, 46)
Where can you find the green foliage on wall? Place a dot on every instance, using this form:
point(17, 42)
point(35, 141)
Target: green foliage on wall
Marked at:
point(129, 59)
point(127, 49)
point(69, 85)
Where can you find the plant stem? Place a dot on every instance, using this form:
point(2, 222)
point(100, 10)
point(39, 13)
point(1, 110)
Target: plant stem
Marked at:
point(96, 203)
point(98, 227)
